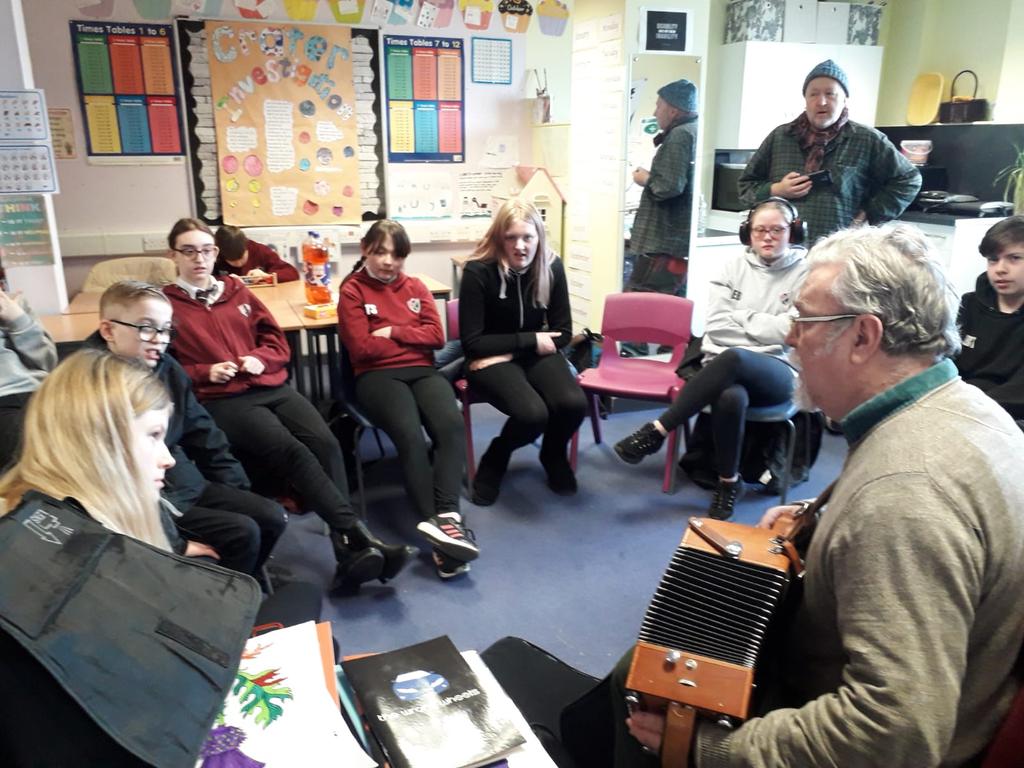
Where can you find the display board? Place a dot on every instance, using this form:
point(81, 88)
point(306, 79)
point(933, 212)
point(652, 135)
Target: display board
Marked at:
point(284, 111)
point(127, 89)
point(352, 162)
point(426, 112)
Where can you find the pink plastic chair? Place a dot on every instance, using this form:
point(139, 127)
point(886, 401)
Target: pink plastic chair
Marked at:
point(642, 317)
point(463, 392)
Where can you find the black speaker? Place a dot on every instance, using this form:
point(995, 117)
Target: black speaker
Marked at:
point(797, 228)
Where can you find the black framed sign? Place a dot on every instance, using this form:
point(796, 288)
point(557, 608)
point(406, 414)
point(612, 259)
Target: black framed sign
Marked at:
point(665, 32)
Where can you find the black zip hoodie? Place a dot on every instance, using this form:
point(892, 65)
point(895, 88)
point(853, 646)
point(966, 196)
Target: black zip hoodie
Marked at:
point(992, 358)
point(497, 315)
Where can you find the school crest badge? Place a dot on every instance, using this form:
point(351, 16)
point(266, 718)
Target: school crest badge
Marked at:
point(413, 305)
point(245, 309)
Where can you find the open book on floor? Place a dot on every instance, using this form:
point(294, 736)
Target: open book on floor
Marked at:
point(428, 708)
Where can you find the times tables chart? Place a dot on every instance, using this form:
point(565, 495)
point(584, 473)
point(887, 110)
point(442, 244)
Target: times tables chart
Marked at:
point(425, 99)
point(128, 91)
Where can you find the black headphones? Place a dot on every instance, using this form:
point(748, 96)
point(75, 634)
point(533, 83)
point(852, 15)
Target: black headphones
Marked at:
point(797, 228)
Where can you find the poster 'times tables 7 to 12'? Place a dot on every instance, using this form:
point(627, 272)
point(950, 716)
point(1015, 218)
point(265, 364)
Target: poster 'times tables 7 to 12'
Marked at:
point(425, 99)
point(284, 111)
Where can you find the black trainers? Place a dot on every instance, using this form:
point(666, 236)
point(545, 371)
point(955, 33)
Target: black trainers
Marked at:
point(725, 498)
point(450, 536)
point(643, 442)
point(449, 567)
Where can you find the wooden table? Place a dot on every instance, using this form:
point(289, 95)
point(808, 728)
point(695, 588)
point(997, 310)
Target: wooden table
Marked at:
point(285, 302)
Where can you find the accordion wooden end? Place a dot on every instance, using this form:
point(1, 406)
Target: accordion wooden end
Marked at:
point(709, 618)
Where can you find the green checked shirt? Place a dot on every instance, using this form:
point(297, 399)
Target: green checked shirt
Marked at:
point(662, 224)
point(868, 174)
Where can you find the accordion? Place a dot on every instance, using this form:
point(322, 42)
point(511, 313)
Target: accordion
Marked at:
point(708, 623)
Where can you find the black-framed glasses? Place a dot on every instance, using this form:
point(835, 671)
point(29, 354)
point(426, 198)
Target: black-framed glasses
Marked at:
point(190, 253)
point(149, 332)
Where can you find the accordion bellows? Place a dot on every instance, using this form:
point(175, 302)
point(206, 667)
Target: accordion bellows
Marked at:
point(710, 617)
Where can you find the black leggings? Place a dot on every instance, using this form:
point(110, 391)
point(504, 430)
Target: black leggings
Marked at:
point(729, 383)
point(285, 434)
point(539, 395)
point(402, 401)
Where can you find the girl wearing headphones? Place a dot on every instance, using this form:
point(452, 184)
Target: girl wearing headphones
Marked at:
point(743, 361)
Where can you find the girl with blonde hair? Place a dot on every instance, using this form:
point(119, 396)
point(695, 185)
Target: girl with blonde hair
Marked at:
point(100, 623)
point(514, 318)
point(83, 440)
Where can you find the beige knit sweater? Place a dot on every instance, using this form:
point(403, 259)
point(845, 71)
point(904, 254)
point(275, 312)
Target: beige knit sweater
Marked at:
point(913, 612)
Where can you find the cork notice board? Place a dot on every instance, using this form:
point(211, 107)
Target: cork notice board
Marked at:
point(283, 102)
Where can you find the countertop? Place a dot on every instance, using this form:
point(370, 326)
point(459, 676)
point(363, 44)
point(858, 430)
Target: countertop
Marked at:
point(940, 219)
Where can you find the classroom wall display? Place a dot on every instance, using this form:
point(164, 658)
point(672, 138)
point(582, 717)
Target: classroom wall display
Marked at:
point(24, 232)
point(491, 60)
point(127, 90)
point(26, 152)
point(284, 112)
point(425, 102)
point(202, 138)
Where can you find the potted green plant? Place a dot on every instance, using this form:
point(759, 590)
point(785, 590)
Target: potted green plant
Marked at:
point(1013, 175)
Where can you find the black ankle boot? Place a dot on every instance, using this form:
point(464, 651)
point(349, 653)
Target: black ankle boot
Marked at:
point(491, 469)
point(561, 478)
point(356, 565)
point(395, 555)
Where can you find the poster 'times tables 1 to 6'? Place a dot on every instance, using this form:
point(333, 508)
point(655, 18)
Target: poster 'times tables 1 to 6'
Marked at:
point(284, 111)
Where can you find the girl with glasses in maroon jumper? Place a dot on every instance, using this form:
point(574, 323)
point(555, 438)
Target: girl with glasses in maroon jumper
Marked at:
point(743, 360)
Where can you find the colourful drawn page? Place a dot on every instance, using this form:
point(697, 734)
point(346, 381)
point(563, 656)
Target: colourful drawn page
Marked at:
point(279, 711)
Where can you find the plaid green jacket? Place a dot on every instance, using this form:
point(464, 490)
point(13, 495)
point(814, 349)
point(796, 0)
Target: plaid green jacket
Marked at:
point(868, 174)
point(662, 224)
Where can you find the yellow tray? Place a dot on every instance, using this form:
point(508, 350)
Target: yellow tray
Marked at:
point(925, 97)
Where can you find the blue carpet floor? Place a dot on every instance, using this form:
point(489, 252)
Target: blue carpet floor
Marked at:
point(572, 575)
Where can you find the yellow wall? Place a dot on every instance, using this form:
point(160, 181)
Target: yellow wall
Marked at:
point(947, 36)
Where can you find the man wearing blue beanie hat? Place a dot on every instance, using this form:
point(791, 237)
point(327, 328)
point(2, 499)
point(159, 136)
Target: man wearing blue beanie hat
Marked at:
point(660, 238)
point(843, 173)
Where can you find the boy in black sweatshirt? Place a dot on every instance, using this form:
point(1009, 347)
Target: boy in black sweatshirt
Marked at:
point(991, 320)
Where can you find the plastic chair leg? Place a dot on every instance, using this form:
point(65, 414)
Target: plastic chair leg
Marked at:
point(357, 436)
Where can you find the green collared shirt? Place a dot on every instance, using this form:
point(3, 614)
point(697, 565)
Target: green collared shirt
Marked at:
point(861, 419)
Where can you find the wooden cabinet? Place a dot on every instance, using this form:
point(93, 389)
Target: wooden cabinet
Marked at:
point(761, 86)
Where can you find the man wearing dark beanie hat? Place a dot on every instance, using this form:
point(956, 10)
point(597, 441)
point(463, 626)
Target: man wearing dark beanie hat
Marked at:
point(660, 238)
point(861, 177)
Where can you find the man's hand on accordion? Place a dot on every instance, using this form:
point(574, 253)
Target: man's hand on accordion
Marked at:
point(782, 517)
point(647, 728)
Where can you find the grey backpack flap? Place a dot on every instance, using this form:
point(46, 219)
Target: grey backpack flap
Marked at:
point(146, 642)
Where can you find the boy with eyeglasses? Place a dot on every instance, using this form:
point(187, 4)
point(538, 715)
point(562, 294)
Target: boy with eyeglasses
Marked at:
point(27, 354)
point(206, 484)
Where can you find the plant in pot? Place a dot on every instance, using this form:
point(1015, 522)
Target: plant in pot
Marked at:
point(1013, 175)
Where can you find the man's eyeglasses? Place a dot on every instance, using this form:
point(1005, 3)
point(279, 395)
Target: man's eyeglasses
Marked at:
point(822, 318)
point(190, 253)
point(762, 231)
point(149, 332)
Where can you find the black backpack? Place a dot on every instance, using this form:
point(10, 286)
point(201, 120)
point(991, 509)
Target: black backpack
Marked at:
point(763, 456)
